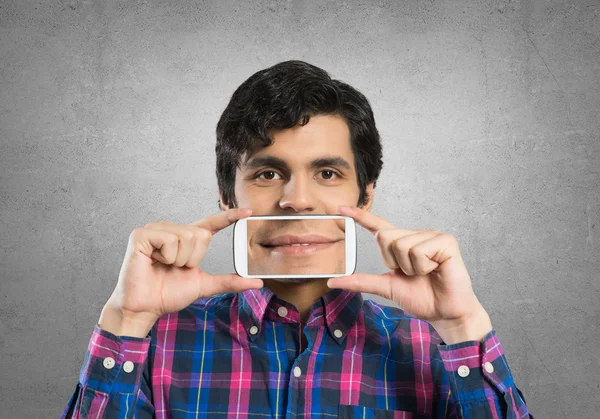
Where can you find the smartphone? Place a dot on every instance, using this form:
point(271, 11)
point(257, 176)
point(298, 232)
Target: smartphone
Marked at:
point(294, 246)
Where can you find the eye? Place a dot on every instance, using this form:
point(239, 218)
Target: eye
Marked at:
point(332, 172)
point(329, 176)
point(262, 173)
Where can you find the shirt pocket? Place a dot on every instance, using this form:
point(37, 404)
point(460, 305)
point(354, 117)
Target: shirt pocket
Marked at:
point(347, 411)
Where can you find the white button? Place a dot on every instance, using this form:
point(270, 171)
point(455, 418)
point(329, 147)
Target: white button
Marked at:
point(338, 333)
point(128, 366)
point(253, 330)
point(297, 372)
point(489, 367)
point(282, 311)
point(463, 370)
point(108, 362)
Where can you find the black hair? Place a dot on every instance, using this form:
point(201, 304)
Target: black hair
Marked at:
point(281, 96)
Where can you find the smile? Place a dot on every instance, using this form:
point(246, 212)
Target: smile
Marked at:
point(299, 249)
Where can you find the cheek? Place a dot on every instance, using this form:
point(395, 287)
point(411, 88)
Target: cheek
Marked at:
point(342, 197)
point(259, 197)
point(251, 197)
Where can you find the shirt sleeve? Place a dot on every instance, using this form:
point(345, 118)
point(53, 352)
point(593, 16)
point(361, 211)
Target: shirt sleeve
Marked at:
point(113, 380)
point(480, 382)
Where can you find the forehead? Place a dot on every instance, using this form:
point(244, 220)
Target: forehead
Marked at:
point(323, 135)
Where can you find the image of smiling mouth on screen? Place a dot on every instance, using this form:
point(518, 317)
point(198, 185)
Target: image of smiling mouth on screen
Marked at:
point(296, 247)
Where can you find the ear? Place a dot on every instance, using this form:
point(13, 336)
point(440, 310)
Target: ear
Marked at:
point(222, 206)
point(371, 197)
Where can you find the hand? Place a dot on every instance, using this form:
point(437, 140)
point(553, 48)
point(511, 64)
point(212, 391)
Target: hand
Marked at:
point(160, 273)
point(428, 278)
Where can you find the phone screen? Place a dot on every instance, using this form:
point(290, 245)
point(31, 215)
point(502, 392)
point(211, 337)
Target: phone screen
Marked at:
point(270, 251)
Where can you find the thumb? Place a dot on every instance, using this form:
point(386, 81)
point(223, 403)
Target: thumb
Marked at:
point(374, 284)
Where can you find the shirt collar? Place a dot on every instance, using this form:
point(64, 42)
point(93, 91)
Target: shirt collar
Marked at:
point(340, 309)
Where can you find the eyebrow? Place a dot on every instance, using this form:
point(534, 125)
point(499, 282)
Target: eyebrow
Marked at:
point(260, 161)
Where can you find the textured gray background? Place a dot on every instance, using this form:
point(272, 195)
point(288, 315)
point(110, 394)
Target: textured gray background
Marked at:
point(489, 114)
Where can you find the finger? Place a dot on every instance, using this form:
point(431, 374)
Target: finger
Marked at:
point(368, 220)
point(375, 284)
point(404, 249)
point(186, 240)
point(433, 252)
point(217, 222)
point(386, 241)
point(226, 283)
point(159, 245)
point(201, 243)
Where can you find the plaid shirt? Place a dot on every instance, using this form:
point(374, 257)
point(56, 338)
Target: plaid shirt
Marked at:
point(237, 355)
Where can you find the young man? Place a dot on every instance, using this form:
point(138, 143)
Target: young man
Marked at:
point(176, 342)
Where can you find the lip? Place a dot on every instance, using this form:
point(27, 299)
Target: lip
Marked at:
point(300, 250)
point(288, 239)
point(283, 244)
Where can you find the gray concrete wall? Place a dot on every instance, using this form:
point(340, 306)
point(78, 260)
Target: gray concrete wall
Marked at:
point(489, 113)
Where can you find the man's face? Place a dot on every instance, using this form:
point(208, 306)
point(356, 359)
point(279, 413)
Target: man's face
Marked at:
point(307, 170)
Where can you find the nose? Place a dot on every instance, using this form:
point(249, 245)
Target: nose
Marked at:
point(297, 195)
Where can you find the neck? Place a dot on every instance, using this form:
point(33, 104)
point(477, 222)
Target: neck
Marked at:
point(302, 295)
